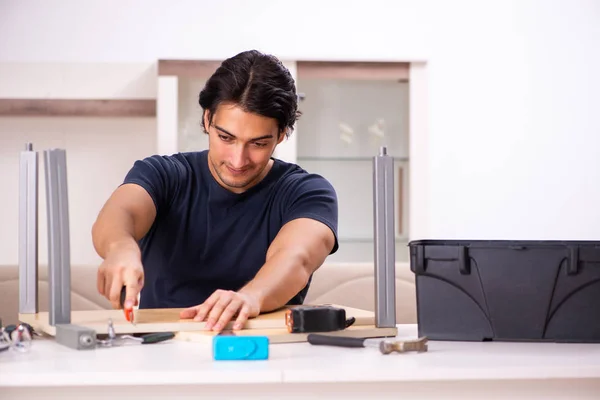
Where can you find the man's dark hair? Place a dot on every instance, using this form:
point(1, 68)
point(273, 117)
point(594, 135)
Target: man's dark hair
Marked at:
point(258, 83)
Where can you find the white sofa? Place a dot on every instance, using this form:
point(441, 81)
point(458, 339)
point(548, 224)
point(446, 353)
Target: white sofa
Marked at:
point(353, 285)
point(347, 284)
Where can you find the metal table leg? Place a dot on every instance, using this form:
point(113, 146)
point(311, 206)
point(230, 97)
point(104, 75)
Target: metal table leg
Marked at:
point(59, 259)
point(384, 240)
point(28, 231)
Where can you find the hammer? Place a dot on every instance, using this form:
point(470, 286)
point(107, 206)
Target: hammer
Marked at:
point(385, 346)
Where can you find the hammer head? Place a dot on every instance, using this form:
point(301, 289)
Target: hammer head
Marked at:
point(399, 346)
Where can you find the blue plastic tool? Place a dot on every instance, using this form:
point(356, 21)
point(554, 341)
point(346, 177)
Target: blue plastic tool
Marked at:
point(231, 347)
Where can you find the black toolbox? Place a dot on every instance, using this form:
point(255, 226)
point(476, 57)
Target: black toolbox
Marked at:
point(507, 290)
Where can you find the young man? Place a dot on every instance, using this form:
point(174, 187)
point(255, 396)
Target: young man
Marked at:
point(225, 233)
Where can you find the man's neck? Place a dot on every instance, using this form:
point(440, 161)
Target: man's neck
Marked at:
point(250, 185)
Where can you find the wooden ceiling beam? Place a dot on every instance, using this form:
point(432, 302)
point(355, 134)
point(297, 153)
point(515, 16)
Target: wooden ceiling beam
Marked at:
point(395, 71)
point(188, 68)
point(370, 71)
point(78, 108)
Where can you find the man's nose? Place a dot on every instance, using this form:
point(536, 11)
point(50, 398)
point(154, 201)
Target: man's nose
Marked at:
point(239, 156)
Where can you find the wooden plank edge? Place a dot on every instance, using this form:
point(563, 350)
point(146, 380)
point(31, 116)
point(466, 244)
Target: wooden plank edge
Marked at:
point(188, 68)
point(371, 71)
point(78, 107)
point(40, 323)
point(359, 70)
point(37, 324)
point(277, 336)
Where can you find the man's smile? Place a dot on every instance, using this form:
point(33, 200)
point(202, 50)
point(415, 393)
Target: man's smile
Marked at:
point(235, 171)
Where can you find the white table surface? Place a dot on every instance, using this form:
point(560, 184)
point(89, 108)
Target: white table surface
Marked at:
point(448, 369)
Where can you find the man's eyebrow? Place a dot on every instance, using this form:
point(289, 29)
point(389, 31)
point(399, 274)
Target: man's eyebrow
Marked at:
point(224, 131)
point(261, 138)
point(252, 140)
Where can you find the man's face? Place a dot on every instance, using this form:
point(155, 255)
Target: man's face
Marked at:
point(240, 146)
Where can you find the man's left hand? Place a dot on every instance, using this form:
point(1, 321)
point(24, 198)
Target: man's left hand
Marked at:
point(223, 305)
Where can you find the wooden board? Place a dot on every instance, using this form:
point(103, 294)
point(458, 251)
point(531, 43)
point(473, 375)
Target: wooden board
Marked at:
point(283, 336)
point(202, 69)
point(78, 107)
point(395, 71)
point(167, 320)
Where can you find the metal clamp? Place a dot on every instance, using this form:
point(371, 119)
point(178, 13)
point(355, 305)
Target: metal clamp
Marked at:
point(16, 337)
point(119, 340)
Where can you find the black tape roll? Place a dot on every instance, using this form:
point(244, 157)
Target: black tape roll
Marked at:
point(318, 319)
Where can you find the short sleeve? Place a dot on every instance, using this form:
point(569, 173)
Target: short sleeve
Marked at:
point(160, 176)
point(312, 196)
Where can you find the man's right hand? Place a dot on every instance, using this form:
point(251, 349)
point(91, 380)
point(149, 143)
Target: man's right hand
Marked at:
point(121, 267)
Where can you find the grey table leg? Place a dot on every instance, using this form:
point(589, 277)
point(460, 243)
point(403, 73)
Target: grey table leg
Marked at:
point(59, 258)
point(28, 231)
point(384, 240)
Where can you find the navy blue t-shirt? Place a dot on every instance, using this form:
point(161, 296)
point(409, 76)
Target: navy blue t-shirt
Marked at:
point(206, 238)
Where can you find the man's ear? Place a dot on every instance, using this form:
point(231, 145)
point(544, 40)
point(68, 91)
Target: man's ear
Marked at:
point(281, 136)
point(206, 120)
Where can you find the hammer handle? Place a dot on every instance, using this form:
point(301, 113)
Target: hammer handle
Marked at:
point(340, 341)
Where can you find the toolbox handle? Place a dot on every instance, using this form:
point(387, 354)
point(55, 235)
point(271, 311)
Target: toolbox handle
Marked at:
point(573, 265)
point(418, 259)
point(517, 247)
point(461, 256)
point(464, 266)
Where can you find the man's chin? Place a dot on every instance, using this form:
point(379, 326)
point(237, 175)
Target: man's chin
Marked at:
point(237, 182)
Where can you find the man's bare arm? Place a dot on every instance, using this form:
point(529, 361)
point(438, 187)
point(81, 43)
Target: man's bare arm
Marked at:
point(298, 250)
point(123, 220)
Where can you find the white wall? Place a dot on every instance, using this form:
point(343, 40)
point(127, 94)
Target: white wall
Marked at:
point(99, 153)
point(99, 150)
point(191, 137)
point(348, 165)
point(513, 87)
point(75, 80)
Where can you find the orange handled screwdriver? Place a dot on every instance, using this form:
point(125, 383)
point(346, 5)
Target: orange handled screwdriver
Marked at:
point(128, 311)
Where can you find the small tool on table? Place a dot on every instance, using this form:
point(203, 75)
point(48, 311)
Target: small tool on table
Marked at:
point(229, 346)
point(385, 346)
point(321, 318)
point(129, 315)
point(117, 340)
point(17, 337)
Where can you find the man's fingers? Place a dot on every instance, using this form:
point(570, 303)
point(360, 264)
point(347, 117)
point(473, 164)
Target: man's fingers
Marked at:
point(107, 286)
point(227, 314)
point(100, 281)
point(114, 292)
point(205, 307)
point(242, 317)
point(133, 281)
point(217, 309)
point(131, 293)
point(189, 312)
